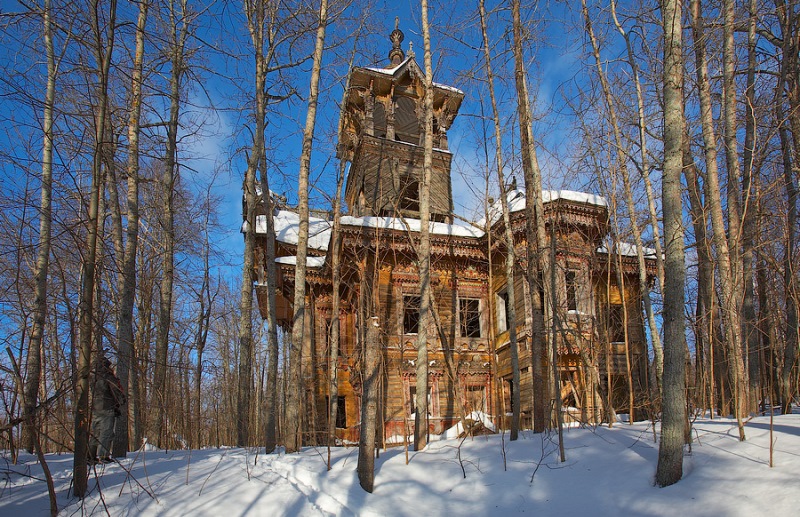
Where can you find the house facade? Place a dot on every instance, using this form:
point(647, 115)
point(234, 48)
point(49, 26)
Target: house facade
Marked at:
point(595, 326)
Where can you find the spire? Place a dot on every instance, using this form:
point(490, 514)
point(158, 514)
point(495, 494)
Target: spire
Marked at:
point(396, 55)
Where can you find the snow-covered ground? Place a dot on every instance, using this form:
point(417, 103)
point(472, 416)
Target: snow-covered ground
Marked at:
point(607, 472)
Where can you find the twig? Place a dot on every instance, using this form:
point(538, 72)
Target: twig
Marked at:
point(212, 472)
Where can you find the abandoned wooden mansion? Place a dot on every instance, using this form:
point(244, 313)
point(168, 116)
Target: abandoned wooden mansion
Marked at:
point(601, 334)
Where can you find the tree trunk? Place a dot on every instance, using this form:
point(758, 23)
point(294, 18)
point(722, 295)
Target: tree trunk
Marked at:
point(34, 364)
point(424, 250)
point(730, 297)
point(179, 29)
point(510, 258)
point(335, 324)
point(622, 161)
point(293, 438)
point(791, 157)
point(245, 384)
point(104, 38)
point(127, 289)
point(670, 452)
point(537, 260)
point(749, 221)
point(369, 403)
point(704, 321)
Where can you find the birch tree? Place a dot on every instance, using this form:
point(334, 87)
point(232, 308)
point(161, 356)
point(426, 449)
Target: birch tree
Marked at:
point(34, 364)
point(424, 249)
point(725, 265)
point(127, 279)
point(510, 258)
point(293, 439)
point(537, 260)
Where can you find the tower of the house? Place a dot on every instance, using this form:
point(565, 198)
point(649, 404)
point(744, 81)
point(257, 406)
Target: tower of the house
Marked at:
point(381, 135)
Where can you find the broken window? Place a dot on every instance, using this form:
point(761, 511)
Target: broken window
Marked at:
point(409, 197)
point(570, 278)
point(470, 316)
point(411, 314)
point(616, 324)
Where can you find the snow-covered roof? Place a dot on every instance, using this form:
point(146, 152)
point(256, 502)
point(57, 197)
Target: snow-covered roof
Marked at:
point(319, 230)
point(310, 261)
point(516, 201)
point(628, 249)
point(392, 70)
point(394, 223)
point(287, 225)
point(389, 70)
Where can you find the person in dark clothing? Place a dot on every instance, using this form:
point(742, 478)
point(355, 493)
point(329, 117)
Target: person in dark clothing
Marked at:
point(107, 403)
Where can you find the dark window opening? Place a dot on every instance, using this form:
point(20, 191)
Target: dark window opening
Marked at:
point(572, 290)
point(409, 198)
point(341, 411)
point(411, 314)
point(616, 324)
point(510, 401)
point(379, 120)
point(470, 314)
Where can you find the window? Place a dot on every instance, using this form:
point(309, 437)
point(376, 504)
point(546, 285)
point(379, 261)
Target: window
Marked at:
point(616, 324)
point(406, 122)
point(411, 314)
point(379, 120)
point(341, 411)
point(570, 278)
point(501, 303)
point(475, 399)
point(412, 399)
point(469, 312)
point(409, 198)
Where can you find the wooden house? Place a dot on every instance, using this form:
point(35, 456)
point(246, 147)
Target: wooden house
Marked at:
point(600, 331)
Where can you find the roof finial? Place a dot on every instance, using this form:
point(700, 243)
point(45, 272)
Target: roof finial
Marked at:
point(396, 55)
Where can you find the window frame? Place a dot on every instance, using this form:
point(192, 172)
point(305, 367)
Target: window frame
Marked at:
point(466, 316)
point(410, 321)
point(501, 309)
point(571, 289)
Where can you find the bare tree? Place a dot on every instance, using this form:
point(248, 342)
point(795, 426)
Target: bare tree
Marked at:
point(127, 288)
point(790, 153)
point(178, 17)
point(34, 365)
point(103, 32)
point(293, 439)
point(424, 249)
point(727, 277)
point(537, 257)
point(511, 258)
point(670, 451)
